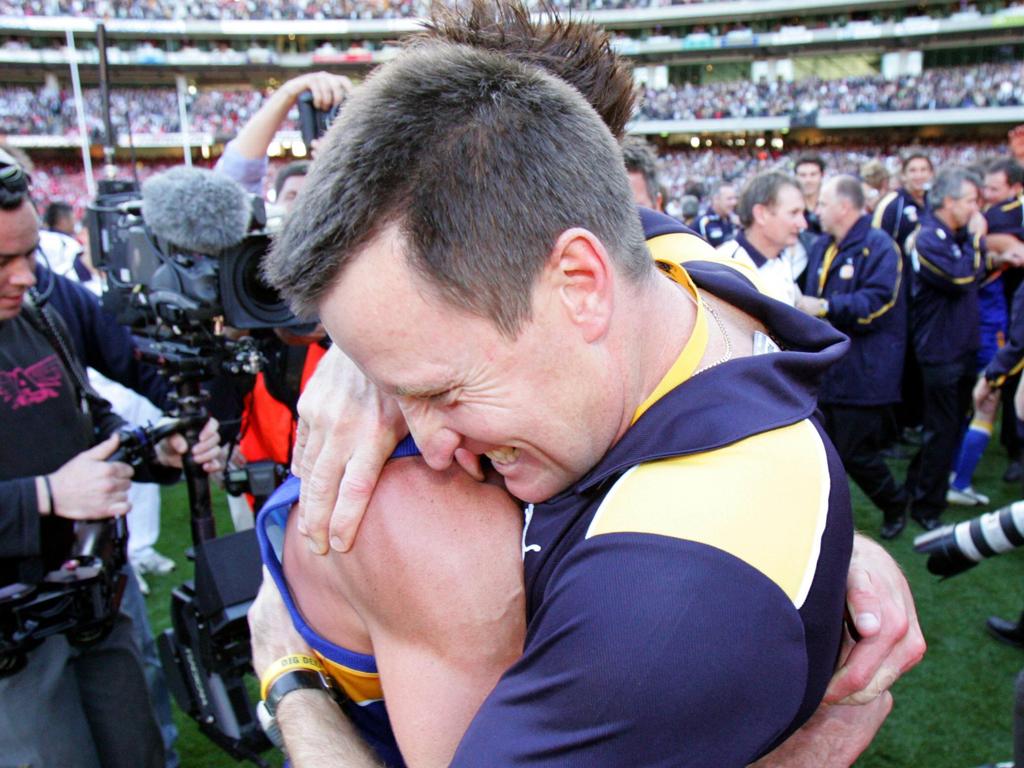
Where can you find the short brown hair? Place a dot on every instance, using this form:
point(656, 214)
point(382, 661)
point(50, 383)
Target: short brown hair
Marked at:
point(482, 161)
point(764, 190)
point(914, 154)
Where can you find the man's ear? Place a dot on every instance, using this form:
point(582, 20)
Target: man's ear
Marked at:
point(759, 212)
point(581, 277)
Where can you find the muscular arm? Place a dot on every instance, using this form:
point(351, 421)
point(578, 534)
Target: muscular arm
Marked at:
point(435, 583)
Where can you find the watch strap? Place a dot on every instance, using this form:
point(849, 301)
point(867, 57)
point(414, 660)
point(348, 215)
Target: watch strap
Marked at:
point(295, 680)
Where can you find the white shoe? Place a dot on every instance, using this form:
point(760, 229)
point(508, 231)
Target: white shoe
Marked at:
point(152, 561)
point(143, 586)
point(968, 497)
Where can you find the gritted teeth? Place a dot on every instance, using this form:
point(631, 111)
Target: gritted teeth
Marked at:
point(503, 455)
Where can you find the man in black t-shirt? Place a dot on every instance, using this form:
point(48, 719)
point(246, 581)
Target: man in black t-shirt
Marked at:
point(72, 705)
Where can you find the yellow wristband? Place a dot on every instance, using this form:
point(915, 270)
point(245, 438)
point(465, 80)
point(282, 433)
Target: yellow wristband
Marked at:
point(286, 664)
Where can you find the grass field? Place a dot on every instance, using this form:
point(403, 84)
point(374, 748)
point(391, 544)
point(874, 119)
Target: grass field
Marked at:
point(953, 711)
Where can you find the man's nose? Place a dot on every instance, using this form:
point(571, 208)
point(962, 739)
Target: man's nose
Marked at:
point(436, 441)
point(24, 275)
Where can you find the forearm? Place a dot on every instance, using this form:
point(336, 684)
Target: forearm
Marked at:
point(835, 736)
point(1000, 242)
point(255, 137)
point(317, 733)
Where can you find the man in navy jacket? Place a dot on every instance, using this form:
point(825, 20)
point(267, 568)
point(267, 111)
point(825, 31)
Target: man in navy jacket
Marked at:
point(853, 281)
point(949, 265)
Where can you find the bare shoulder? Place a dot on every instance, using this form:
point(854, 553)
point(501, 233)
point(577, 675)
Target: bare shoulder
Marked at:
point(433, 543)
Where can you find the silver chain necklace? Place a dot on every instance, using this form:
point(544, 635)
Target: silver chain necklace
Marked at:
point(725, 337)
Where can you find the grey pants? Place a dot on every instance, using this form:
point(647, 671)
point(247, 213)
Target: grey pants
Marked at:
point(80, 707)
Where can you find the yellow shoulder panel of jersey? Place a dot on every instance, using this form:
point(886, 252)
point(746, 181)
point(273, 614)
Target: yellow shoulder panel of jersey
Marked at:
point(361, 687)
point(763, 500)
point(680, 247)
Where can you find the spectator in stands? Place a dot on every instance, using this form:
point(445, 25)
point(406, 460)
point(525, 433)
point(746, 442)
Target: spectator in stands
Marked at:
point(1004, 180)
point(853, 281)
point(718, 223)
point(810, 171)
point(641, 166)
point(948, 268)
point(771, 214)
point(60, 217)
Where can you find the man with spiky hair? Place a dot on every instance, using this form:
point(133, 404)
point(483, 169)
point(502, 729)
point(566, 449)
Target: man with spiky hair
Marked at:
point(488, 200)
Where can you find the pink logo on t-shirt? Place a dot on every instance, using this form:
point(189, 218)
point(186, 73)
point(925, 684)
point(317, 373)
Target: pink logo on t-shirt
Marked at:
point(33, 385)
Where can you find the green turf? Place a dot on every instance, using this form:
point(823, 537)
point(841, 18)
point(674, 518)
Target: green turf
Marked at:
point(953, 711)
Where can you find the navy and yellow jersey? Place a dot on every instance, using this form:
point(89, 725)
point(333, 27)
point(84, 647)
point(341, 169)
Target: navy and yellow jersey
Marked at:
point(685, 597)
point(1006, 217)
point(948, 269)
point(898, 214)
point(1009, 359)
point(714, 228)
point(861, 278)
point(354, 673)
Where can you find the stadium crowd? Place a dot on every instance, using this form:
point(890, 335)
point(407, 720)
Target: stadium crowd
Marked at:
point(48, 111)
point(52, 112)
point(987, 85)
point(330, 9)
point(678, 170)
point(268, 9)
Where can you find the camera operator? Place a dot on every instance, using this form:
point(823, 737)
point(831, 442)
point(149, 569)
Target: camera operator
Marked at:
point(96, 692)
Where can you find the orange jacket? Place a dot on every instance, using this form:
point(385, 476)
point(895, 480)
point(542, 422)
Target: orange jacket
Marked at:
point(268, 426)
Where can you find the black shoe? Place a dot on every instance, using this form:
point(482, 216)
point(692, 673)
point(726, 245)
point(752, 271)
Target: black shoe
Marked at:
point(1014, 472)
point(893, 528)
point(928, 523)
point(1006, 631)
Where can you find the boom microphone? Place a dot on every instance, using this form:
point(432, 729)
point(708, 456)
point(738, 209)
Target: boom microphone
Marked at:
point(196, 210)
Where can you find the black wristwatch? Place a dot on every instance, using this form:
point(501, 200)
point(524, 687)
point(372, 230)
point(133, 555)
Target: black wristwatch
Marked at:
point(292, 680)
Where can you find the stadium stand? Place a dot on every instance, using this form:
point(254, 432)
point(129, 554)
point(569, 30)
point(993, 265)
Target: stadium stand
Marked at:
point(940, 88)
point(154, 111)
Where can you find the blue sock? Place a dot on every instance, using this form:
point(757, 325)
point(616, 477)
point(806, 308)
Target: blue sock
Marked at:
point(971, 448)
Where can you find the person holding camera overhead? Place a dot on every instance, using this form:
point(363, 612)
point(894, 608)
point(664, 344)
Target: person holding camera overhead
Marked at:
point(268, 414)
point(54, 471)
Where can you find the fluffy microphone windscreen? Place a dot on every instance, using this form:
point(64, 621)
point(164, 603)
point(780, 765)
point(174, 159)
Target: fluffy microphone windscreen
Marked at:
point(195, 209)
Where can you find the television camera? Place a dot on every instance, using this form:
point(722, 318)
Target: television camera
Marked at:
point(182, 261)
